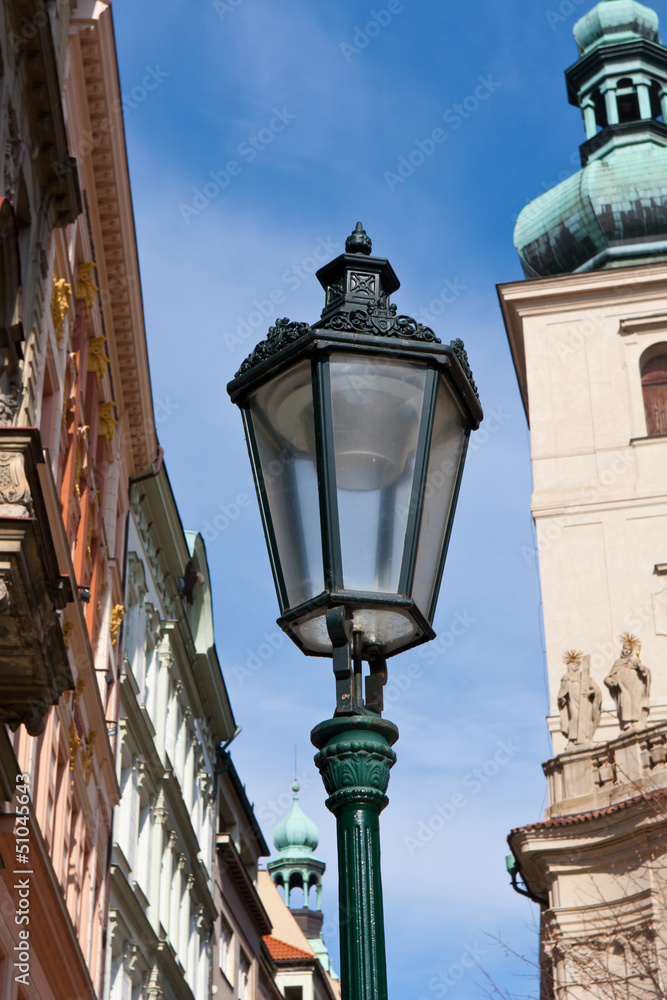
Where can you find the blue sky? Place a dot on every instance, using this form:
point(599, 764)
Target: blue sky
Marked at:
point(272, 130)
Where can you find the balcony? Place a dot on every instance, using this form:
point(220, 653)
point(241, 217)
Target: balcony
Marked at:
point(35, 671)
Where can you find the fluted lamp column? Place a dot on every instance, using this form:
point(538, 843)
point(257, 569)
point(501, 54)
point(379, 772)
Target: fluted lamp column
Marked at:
point(357, 429)
point(354, 760)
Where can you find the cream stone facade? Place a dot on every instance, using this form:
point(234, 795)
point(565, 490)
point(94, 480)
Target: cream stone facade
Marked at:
point(588, 336)
point(600, 482)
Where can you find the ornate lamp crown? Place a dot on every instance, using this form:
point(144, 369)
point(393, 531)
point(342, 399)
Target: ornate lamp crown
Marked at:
point(357, 288)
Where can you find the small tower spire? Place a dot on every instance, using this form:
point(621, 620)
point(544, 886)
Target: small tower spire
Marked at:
point(296, 838)
point(612, 213)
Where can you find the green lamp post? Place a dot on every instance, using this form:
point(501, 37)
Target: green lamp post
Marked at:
point(357, 429)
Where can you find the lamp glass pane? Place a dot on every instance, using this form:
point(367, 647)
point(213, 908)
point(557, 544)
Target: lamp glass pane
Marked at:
point(447, 442)
point(283, 420)
point(376, 408)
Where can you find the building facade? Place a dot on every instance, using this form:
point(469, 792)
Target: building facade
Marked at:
point(242, 966)
point(588, 334)
point(76, 425)
point(129, 850)
point(174, 714)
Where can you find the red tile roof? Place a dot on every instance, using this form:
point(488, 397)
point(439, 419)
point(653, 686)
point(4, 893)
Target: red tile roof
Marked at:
point(655, 796)
point(282, 952)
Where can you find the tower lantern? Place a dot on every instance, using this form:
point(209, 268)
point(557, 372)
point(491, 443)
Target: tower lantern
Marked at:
point(613, 212)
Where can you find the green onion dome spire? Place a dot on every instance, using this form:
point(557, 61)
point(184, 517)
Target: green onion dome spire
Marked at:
point(296, 835)
point(612, 212)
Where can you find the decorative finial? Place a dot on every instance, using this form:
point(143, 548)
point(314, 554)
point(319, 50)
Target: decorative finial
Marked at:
point(358, 241)
point(295, 787)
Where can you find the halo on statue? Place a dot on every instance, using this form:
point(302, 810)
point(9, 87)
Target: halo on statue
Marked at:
point(572, 656)
point(627, 639)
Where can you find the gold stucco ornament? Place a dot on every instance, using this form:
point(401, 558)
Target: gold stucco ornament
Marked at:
point(86, 289)
point(60, 296)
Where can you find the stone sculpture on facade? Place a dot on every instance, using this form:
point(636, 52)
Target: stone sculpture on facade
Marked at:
point(629, 683)
point(579, 700)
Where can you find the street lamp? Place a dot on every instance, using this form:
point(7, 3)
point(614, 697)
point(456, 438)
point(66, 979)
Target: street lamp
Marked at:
point(357, 429)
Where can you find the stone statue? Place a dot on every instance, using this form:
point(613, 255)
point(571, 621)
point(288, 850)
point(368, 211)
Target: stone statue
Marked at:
point(629, 683)
point(579, 700)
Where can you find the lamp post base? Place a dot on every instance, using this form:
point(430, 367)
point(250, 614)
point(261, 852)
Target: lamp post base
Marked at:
point(354, 759)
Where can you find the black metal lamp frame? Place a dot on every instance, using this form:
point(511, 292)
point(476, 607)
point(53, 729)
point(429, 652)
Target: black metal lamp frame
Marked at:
point(319, 345)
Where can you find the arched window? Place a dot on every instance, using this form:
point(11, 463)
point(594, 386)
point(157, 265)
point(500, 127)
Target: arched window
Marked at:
point(654, 388)
point(627, 101)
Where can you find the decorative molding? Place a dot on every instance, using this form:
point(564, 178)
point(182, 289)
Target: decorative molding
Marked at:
point(79, 689)
point(74, 744)
point(356, 769)
point(9, 405)
point(60, 296)
point(68, 628)
point(117, 616)
point(152, 552)
point(15, 496)
point(97, 357)
point(86, 289)
point(12, 155)
point(87, 755)
point(107, 423)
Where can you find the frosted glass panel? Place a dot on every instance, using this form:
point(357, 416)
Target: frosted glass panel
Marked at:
point(282, 414)
point(377, 407)
point(444, 461)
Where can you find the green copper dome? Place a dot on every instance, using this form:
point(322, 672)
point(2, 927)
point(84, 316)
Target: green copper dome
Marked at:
point(615, 21)
point(296, 835)
point(615, 208)
point(612, 212)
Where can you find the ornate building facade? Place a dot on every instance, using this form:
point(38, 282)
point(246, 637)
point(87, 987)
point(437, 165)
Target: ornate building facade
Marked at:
point(174, 714)
point(588, 335)
point(76, 425)
point(128, 848)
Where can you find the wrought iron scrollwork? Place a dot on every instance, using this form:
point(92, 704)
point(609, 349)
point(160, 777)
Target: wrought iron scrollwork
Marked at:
point(462, 357)
point(283, 333)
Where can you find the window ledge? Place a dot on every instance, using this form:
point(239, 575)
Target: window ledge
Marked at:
point(647, 438)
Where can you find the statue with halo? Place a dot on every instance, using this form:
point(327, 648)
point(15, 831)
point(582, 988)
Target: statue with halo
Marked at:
point(629, 683)
point(579, 700)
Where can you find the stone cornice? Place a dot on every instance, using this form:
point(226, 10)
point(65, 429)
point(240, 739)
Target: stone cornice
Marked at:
point(132, 907)
point(583, 841)
point(111, 220)
point(236, 870)
point(617, 288)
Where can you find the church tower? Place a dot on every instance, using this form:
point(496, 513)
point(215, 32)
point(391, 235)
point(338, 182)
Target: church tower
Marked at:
point(296, 838)
point(588, 335)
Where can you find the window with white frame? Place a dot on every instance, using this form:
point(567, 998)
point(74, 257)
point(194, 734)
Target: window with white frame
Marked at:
point(225, 950)
point(244, 978)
